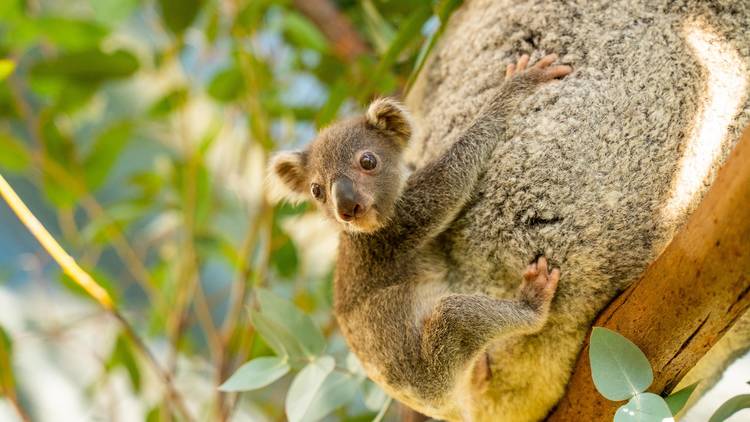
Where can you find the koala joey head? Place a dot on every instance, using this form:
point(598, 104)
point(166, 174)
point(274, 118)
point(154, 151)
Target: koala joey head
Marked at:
point(353, 170)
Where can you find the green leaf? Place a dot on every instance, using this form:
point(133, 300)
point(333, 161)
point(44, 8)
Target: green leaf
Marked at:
point(409, 30)
point(256, 374)
point(122, 355)
point(676, 401)
point(375, 397)
point(337, 390)
point(300, 31)
point(380, 30)
point(227, 85)
point(87, 67)
point(294, 321)
point(730, 407)
point(105, 152)
point(179, 14)
point(444, 10)
point(168, 103)
point(619, 369)
point(279, 339)
point(644, 407)
point(14, 156)
point(6, 68)
point(112, 12)
point(305, 387)
point(6, 362)
point(70, 34)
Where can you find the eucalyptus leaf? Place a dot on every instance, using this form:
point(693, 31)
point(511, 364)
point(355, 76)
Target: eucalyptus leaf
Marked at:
point(305, 387)
point(6, 362)
point(284, 314)
point(105, 152)
point(302, 32)
point(14, 156)
point(644, 407)
point(280, 340)
point(619, 369)
point(256, 374)
point(730, 407)
point(227, 85)
point(6, 68)
point(337, 390)
point(88, 66)
point(178, 15)
point(676, 401)
point(374, 396)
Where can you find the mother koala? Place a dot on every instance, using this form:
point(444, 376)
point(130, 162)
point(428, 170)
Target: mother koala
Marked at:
point(596, 173)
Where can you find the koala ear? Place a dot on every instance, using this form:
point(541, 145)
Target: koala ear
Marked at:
point(391, 117)
point(286, 178)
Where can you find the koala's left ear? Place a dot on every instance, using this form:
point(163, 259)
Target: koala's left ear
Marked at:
point(390, 117)
point(287, 176)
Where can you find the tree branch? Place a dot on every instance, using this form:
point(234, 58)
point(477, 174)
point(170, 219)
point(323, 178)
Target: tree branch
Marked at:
point(687, 299)
point(347, 44)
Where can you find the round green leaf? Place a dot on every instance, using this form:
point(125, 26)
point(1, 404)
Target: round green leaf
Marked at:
point(730, 407)
point(257, 373)
point(644, 407)
point(619, 369)
point(304, 389)
point(285, 315)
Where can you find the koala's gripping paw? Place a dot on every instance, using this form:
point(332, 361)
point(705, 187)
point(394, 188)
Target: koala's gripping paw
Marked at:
point(539, 284)
point(541, 71)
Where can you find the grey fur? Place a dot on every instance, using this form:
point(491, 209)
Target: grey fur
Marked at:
point(586, 167)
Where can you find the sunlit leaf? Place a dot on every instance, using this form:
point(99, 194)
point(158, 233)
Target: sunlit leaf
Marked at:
point(676, 401)
point(70, 34)
point(730, 407)
point(89, 66)
point(644, 407)
point(14, 156)
point(6, 362)
point(178, 15)
point(305, 387)
point(257, 373)
point(173, 100)
point(105, 152)
point(285, 314)
point(227, 85)
point(6, 68)
point(619, 368)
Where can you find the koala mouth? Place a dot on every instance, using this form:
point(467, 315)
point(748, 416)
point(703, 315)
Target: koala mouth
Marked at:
point(367, 222)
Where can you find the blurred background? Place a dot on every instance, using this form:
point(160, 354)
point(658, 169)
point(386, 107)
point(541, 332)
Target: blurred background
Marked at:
point(138, 133)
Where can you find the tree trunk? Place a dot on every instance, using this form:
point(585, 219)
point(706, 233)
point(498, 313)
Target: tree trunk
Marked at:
point(703, 285)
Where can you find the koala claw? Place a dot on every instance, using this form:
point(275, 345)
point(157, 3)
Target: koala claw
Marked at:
point(541, 69)
point(539, 284)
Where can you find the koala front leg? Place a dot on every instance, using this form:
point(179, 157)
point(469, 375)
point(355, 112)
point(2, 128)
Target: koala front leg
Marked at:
point(462, 325)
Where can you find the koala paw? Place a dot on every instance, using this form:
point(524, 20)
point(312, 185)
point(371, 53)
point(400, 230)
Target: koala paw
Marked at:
point(539, 284)
point(541, 71)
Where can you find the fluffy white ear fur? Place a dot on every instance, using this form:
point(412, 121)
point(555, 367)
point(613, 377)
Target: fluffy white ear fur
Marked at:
point(391, 117)
point(285, 178)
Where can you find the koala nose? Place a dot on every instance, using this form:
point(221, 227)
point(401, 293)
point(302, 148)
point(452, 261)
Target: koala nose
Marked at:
point(347, 205)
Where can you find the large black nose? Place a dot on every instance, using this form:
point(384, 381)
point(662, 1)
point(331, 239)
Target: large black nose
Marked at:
point(348, 205)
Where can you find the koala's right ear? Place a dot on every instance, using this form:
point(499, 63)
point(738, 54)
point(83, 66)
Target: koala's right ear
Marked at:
point(287, 176)
point(390, 117)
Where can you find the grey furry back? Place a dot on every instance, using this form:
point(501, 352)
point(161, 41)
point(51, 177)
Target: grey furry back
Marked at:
point(590, 162)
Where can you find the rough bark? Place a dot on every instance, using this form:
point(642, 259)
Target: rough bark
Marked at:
point(687, 299)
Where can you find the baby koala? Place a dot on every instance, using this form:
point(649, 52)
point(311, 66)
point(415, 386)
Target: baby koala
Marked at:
point(415, 338)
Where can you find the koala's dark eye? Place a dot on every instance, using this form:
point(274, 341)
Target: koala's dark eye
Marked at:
point(317, 191)
point(368, 161)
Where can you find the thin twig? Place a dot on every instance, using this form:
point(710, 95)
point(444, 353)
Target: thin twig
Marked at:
point(85, 281)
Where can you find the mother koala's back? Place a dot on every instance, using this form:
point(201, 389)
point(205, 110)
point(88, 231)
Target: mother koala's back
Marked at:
point(596, 172)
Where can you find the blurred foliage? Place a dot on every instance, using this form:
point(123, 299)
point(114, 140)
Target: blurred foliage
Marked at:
point(145, 125)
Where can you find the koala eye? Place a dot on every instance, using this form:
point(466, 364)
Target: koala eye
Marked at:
point(368, 161)
point(317, 191)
